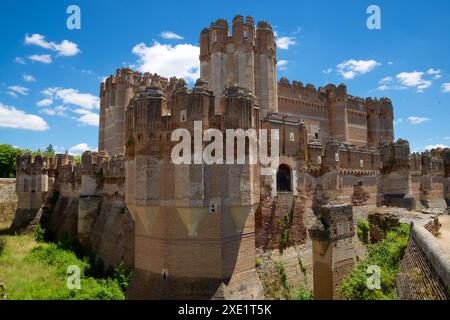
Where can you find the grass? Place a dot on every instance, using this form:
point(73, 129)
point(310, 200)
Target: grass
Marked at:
point(387, 255)
point(33, 270)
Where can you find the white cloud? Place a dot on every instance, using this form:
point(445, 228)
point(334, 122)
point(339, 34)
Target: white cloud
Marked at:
point(446, 87)
point(171, 35)
point(44, 103)
point(435, 73)
point(19, 90)
point(390, 63)
point(65, 48)
point(19, 60)
point(436, 146)
point(91, 119)
point(328, 71)
point(73, 97)
point(167, 60)
point(417, 120)
point(282, 64)
point(28, 78)
point(10, 117)
point(80, 148)
point(414, 80)
point(398, 121)
point(385, 80)
point(351, 68)
point(43, 58)
point(12, 94)
point(58, 111)
point(283, 43)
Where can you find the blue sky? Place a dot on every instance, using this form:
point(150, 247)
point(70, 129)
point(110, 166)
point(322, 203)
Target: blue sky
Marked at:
point(50, 75)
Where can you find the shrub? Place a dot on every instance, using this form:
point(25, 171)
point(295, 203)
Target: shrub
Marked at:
point(302, 294)
point(258, 262)
point(122, 275)
point(387, 255)
point(363, 231)
point(39, 233)
point(282, 275)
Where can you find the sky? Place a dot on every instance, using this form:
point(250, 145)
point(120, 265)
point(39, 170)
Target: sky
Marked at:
point(50, 75)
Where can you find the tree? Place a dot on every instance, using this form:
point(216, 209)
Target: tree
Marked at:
point(8, 156)
point(50, 150)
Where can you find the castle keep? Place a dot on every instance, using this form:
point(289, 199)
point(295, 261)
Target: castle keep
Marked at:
point(192, 230)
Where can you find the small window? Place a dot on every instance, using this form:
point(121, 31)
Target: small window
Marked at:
point(277, 134)
point(183, 116)
point(319, 160)
point(245, 34)
point(292, 136)
point(336, 156)
point(316, 135)
point(361, 163)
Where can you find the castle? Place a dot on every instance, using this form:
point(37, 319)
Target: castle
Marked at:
point(191, 231)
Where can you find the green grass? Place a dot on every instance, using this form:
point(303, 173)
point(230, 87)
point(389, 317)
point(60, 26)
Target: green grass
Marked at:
point(34, 270)
point(387, 255)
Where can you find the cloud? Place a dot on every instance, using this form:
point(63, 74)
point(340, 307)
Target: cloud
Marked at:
point(282, 64)
point(351, 68)
point(43, 58)
point(436, 146)
point(167, 60)
point(398, 121)
point(385, 80)
point(283, 43)
point(414, 80)
point(10, 117)
point(44, 103)
point(327, 71)
point(65, 48)
point(12, 94)
point(435, 73)
point(417, 120)
point(28, 78)
point(58, 111)
point(80, 148)
point(91, 119)
point(446, 87)
point(73, 97)
point(19, 90)
point(19, 60)
point(390, 63)
point(170, 35)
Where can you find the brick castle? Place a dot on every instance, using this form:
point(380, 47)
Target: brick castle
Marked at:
point(191, 231)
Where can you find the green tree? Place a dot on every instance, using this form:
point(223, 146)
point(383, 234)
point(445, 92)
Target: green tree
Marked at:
point(50, 151)
point(8, 156)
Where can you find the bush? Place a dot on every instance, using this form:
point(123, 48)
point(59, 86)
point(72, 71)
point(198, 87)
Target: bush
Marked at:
point(39, 233)
point(302, 294)
point(258, 262)
point(363, 231)
point(387, 255)
point(282, 275)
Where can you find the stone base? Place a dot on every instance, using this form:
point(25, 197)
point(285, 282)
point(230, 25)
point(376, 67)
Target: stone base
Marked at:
point(150, 286)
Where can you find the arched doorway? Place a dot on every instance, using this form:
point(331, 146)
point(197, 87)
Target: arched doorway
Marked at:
point(284, 183)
